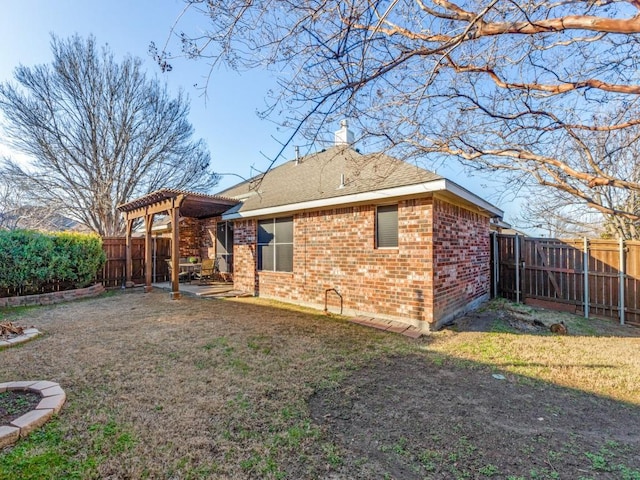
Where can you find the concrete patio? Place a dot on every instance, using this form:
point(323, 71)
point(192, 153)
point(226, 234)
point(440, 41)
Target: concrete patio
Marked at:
point(214, 289)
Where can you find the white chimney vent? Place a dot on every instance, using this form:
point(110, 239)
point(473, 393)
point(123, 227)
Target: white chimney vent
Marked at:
point(344, 136)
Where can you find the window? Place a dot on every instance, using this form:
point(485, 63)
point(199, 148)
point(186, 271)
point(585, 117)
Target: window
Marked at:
point(387, 226)
point(275, 244)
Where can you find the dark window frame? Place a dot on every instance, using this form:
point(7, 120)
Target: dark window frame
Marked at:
point(386, 226)
point(224, 246)
point(279, 246)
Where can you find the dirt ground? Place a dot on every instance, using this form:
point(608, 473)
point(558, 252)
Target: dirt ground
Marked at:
point(414, 418)
point(204, 389)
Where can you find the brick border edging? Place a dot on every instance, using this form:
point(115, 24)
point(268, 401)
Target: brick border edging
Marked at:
point(53, 297)
point(29, 334)
point(53, 397)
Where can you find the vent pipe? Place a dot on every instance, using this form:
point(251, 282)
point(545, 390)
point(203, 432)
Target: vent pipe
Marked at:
point(341, 181)
point(297, 149)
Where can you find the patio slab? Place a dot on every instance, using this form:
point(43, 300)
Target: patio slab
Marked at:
point(210, 290)
point(387, 325)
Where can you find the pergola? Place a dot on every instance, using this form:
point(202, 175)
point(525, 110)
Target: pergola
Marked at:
point(175, 203)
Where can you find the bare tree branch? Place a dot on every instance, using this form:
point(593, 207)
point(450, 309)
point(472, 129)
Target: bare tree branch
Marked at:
point(99, 134)
point(544, 92)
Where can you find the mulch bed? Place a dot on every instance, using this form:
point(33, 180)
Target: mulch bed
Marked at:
point(15, 403)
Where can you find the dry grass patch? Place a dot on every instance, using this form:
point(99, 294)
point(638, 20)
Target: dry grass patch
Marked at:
point(597, 356)
point(202, 388)
point(190, 388)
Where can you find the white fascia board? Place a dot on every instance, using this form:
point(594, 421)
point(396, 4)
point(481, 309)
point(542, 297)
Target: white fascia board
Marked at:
point(465, 194)
point(376, 195)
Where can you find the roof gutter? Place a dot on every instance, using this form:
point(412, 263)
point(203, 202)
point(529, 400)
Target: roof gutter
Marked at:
point(434, 186)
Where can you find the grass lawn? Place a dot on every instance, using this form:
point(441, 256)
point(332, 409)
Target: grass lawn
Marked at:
point(199, 388)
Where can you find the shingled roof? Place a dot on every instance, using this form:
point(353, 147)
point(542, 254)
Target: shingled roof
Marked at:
point(336, 172)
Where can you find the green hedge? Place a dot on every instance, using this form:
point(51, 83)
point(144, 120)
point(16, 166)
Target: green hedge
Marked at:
point(30, 260)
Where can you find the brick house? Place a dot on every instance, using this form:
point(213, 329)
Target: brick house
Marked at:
point(394, 240)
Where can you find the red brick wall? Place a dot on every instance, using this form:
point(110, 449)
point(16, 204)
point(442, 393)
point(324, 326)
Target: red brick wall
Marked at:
point(207, 242)
point(441, 264)
point(461, 258)
point(336, 249)
point(191, 234)
point(244, 256)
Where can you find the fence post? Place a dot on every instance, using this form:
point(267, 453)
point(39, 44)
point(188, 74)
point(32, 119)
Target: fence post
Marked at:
point(585, 267)
point(622, 271)
point(517, 259)
point(494, 240)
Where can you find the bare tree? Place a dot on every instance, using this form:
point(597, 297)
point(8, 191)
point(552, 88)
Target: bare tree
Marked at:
point(99, 133)
point(547, 92)
point(558, 215)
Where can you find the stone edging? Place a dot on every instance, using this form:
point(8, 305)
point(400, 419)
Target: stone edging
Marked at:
point(53, 397)
point(29, 333)
point(53, 297)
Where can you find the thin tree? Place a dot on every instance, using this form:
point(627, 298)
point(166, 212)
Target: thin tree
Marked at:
point(547, 92)
point(98, 132)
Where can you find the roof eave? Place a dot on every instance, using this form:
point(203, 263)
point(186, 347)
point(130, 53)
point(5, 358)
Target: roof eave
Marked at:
point(433, 186)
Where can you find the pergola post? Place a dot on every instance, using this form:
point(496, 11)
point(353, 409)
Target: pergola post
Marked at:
point(174, 212)
point(175, 203)
point(129, 254)
point(148, 260)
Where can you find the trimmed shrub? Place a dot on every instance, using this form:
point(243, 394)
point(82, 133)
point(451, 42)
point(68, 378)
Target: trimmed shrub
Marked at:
point(31, 260)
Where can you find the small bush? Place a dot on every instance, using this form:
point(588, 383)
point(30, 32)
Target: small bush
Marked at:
point(30, 260)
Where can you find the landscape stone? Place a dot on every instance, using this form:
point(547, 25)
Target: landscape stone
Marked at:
point(32, 420)
point(55, 402)
point(8, 435)
point(51, 391)
point(44, 384)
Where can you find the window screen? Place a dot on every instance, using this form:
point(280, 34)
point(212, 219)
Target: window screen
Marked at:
point(275, 244)
point(387, 226)
point(224, 246)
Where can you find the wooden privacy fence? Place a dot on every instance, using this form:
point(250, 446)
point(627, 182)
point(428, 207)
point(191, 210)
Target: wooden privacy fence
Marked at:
point(114, 272)
point(551, 273)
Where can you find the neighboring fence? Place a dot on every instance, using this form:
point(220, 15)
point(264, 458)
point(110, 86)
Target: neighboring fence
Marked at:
point(114, 272)
point(550, 272)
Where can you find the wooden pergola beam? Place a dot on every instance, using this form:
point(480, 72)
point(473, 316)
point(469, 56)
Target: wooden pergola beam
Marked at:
point(175, 253)
point(172, 207)
point(175, 203)
point(128, 253)
point(148, 253)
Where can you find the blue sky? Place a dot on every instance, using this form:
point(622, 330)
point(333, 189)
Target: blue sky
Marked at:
point(226, 119)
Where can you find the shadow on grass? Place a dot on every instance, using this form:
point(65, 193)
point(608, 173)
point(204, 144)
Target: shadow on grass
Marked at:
point(502, 316)
point(417, 417)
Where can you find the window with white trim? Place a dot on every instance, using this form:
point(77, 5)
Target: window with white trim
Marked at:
point(275, 244)
point(387, 226)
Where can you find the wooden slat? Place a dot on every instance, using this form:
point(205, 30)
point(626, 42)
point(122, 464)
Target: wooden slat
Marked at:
point(113, 273)
point(554, 273)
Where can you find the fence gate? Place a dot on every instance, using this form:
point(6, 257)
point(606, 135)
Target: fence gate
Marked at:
point(587, 277)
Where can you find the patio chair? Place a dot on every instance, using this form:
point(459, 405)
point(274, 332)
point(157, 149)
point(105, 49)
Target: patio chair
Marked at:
point(207, 270)
point(182, 276)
